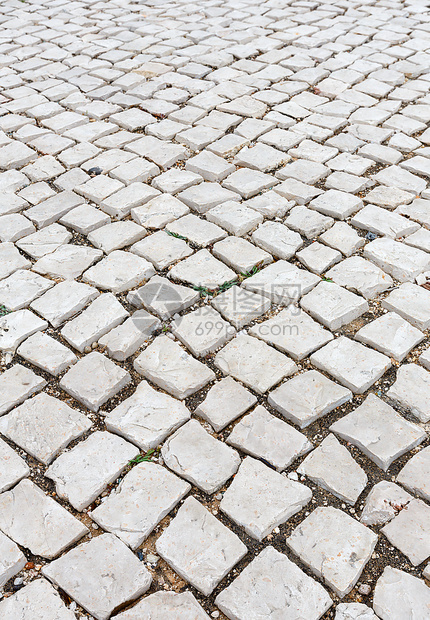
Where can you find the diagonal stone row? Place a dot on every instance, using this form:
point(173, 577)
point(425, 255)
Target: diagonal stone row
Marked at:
point(214, 310)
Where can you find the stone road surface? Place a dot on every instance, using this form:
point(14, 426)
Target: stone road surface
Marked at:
point(214, 309)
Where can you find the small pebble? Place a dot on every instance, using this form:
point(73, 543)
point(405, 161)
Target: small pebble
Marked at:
point(364, 589)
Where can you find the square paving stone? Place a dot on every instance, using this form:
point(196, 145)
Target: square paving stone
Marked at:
point(206, 195)
point(249, 183)
point(341, 236)
point(401, 261)
point(16, 384)
point(51, 529)
point(43, 426)
point(119, 272)
point(318, 257)
point(96, 566)
point(307, 397)
point(159, 210)
point(293, 332)
point(235, 217)
point(202, 331)
point(162, 605)
point(332, 467)
point(84, 219)
point(264, 436)
point(260, 591)
point(46, 353)
point(147, 417)
point(197, 230)
point(36, 601)
point(361, 276)
point(383, 503)
point(409, 531)
point(12, 467)
point(333, 305)
point(163, 297)
point(45, 241)
point(162, 249)
point(102, 315)
point(116, 235)
point(391, 334)
point(94, 379)
point(240, 254)
point(259, 499)
point(202, 269)
point(399, 594)
point(415, 475)
point(254, 363)
point(379, 221)
point(16, 327)
point(334, 546)
point(240, 306)
point(143, 498)
point(277, 239)
point(298, 191)
point(199, 547)
point(379, 431)
point(195, 455)
point(169, 366)
point(351, 363)
point(411, 391)
point(308, 222)
point(412, 302)
point(67, 262)
point(12, 560)
point(83, 472)
point(336, 204)
point(21, 288)
point(282, 282)
point(122, 341)
point(11, 260)
point(63, 301)
point(225, 401)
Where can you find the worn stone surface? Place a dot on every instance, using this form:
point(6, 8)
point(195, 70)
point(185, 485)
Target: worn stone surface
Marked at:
point(225, 401)
point(334, 546)
point(398, 594)
point(259, 591)
point(16, 384)
point(97, 564)
point(259, 499)
point(160, 605)
point(82, 473)
point(52, 528)
point(333, 305)
point(199, 547)
point(415, 474)
point(383, 503)
point(332, 467)
point(144, 497)
point(409, 531)
point(411, 391)
point(36, 601)
point(264, 436)
point(13, 467)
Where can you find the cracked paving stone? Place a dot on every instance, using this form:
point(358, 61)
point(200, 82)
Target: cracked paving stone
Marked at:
point(13, 467)
point(63, 301)
point(123, 341)
point(195, 455)
point(379, 431)
point(273, 585)
point(67, 261)
point(21, 288)
point(52, 529)
point(143, 498)
point(259, 499)
point(12, 559)
point(159, 211)
point(87, 572)
point(163, 297)
point(43, 426)
point(383, 503)
point(147, 417)
point(334, 546)
point(16, 327)
point(264, 436)
point(170, 367)
point(199, 547)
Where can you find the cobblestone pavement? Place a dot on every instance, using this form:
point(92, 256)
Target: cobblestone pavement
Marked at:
point(214, 309)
